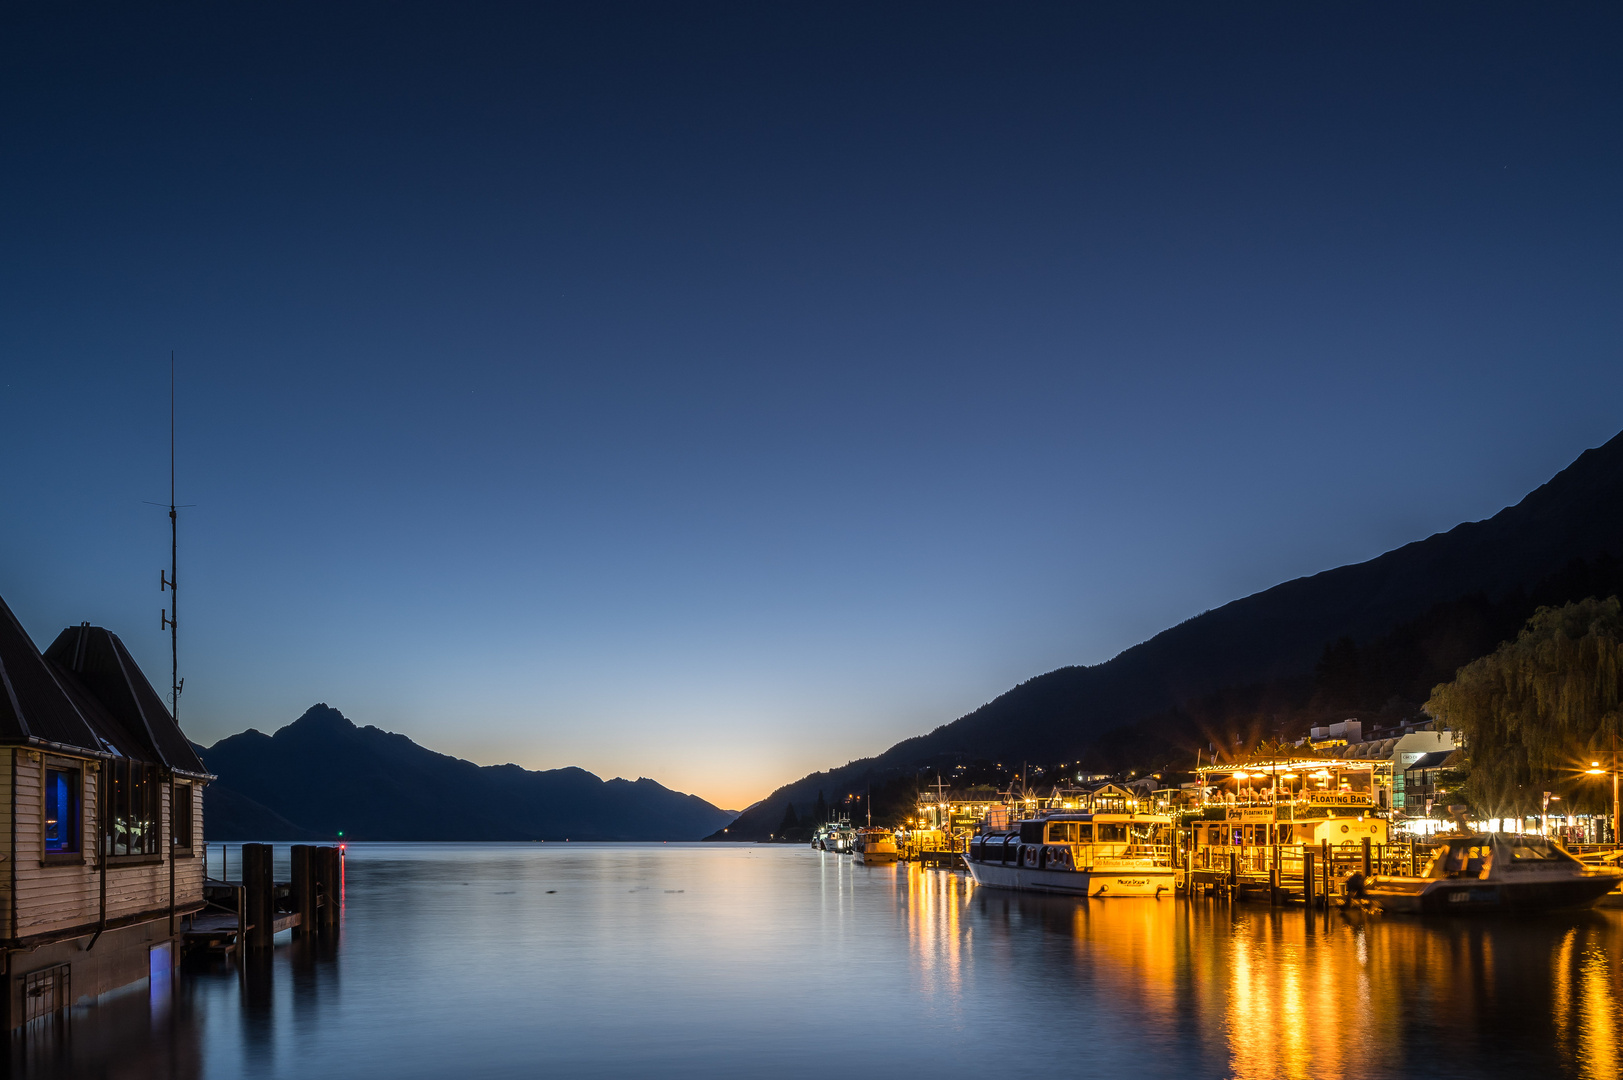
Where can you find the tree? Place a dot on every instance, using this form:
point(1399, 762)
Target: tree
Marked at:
point(790, 821)
point(820, 811)
point(1534, 710)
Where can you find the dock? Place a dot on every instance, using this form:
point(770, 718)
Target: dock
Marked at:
point(247, 915)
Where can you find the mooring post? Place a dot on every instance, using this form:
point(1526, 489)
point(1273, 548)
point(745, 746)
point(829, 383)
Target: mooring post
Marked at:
point(1366, 866)
point(304, 891)
point(329, 875)
point(1234, 873)
point(259, 887)
point(1329, 870)
point(1273, 878)
point(322, 888)
point(1307, 881)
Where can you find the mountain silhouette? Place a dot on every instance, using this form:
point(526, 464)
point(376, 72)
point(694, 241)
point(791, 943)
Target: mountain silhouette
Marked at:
point(1388, 627)
point(322, 776)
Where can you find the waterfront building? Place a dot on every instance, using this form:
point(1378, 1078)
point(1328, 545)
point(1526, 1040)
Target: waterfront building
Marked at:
point(102, 811)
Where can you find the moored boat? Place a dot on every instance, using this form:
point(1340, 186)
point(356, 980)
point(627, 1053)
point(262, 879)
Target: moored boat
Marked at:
point(1078, 854)
point(874, 846)
point(1493, 873)
point(835, 837)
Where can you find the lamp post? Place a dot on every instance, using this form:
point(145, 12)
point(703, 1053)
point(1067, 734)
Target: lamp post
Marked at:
point(1595, 770)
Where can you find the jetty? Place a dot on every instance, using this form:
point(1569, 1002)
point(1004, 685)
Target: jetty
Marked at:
point(249, 913)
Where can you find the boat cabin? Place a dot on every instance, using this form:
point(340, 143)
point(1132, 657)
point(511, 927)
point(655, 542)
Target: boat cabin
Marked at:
point(1076, 840)
point(1477, 856)
point(102, 812)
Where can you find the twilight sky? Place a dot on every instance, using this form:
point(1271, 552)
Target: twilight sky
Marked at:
point(719, 392)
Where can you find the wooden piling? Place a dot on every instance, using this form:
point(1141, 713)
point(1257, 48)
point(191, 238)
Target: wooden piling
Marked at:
point(319, 885)
point(1366, 861)
point(328, 883)
point(1234, 872)
point(258, 895)
point(1273, 877)
point(1307, 880)
point(1329, 871)
point(304, 890)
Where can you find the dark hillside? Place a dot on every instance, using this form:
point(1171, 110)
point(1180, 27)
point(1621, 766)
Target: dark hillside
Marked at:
point(322, 775)
point(1369, 636)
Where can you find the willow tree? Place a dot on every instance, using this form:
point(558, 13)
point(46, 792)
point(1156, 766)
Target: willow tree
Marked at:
point(1535, 710)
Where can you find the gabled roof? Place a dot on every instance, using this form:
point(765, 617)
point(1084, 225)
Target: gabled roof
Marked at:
point(88, 695)
point(33, 704)
point(99, 662)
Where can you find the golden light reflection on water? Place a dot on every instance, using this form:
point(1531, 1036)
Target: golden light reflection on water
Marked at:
point(1264, 993)
point(933, 908)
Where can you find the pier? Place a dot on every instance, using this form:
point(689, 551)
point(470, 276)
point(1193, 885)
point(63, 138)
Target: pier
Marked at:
point(247, 914)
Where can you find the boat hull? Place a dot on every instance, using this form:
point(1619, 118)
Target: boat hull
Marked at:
point(1454, 896)
point(876, 858)
point(1101, 882)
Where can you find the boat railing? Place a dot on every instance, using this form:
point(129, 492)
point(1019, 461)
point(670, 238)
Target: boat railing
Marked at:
point(1160, 854)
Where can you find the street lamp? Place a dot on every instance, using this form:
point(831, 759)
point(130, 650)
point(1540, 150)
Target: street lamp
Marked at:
point(1617, 818)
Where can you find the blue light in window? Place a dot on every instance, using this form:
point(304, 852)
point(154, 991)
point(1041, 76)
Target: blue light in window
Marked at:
point(61, 812)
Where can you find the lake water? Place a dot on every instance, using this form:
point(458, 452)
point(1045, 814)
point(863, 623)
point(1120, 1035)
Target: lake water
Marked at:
point(706, 960)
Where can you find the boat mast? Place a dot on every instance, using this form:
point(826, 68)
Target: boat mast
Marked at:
point(170, 616)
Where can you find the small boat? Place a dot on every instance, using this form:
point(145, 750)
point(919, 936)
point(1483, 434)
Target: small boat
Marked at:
point(837, 837)
point(874, 846)
point(1078, 854)
point(1493, 872)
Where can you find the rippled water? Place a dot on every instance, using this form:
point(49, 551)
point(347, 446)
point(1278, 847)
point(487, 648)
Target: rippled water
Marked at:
point(743, 961)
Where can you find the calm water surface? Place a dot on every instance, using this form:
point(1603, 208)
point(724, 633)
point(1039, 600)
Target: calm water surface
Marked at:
point(743, 961)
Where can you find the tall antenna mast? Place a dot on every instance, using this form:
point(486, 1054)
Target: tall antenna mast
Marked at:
point(170, 616)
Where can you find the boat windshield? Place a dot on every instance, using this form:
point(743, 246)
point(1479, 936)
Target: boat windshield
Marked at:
point(1536, 850)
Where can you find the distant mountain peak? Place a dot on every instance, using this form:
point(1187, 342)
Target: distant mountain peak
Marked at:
point(320, 718)
point(322, 775)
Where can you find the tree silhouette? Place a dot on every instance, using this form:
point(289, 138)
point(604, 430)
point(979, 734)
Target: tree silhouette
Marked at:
point(1533, 709)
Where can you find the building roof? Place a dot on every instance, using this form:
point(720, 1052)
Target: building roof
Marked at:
point(86, 694)
point(1434, 760)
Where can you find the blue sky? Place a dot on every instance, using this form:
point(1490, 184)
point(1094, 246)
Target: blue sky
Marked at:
point(720, 392)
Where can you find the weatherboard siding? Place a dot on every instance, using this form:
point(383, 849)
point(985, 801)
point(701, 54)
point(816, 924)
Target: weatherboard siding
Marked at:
point(52, 897)
point(6, 831)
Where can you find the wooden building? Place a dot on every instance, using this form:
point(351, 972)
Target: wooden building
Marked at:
point(101, 821)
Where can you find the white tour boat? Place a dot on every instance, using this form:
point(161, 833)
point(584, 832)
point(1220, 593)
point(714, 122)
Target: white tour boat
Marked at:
point(1079, 854)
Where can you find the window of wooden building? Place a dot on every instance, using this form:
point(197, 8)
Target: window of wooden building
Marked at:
point(133, 793)
point(64, 819)
point(180, 812)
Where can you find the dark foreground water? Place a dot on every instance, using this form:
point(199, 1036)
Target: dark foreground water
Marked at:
point(746, 961)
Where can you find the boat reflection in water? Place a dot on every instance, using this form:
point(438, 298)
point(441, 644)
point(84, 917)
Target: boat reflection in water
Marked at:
point(1250, 991)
